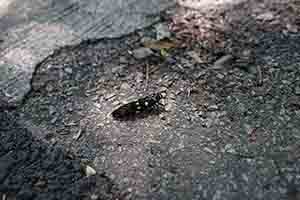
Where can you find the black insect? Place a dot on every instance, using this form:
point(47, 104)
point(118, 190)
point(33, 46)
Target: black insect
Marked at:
point(142, 107)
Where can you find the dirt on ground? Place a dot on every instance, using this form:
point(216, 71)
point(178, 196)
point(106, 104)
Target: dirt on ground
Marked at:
point(230, 126)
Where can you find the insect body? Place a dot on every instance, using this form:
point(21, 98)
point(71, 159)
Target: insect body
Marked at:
point(142, 107)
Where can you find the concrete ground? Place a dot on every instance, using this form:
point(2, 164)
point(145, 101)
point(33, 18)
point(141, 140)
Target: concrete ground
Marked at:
point(228, 131)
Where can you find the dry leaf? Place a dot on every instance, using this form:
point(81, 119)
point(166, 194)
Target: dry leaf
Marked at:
point(161, 44)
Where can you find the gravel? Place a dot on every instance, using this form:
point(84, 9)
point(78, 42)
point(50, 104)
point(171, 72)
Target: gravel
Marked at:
point(31, 169)
point(224, 136)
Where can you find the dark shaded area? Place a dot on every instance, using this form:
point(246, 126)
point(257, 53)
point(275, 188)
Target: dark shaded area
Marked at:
point(31, 169)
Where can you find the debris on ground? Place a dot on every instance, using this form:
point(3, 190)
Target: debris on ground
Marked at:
point(227, 133)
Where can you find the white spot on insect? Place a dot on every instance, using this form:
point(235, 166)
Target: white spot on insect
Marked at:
point(146, 103)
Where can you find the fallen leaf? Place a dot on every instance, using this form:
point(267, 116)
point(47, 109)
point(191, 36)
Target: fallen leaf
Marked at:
point(161, 44)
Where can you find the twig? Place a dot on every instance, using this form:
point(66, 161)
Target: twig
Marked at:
point(147, 76)
point(259, 76)
point(242, 156)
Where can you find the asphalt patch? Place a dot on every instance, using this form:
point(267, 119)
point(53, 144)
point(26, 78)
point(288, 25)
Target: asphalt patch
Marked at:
point(31, 169)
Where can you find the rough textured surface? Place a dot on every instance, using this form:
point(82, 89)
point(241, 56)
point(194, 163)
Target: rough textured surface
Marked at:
point(31, 169)
point(228, 132)
point(32, 30)
point(221, 138)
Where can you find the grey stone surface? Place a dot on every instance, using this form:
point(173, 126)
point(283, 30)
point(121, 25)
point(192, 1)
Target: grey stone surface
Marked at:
point(32, 30)
point(142, 53)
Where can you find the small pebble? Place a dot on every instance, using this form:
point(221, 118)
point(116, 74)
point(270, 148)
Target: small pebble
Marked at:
point(94, 197)
point(49, 88)
point(68, 70)
point(220, 76)
point(125, 86)
point(168, 107)
point(89, 171)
